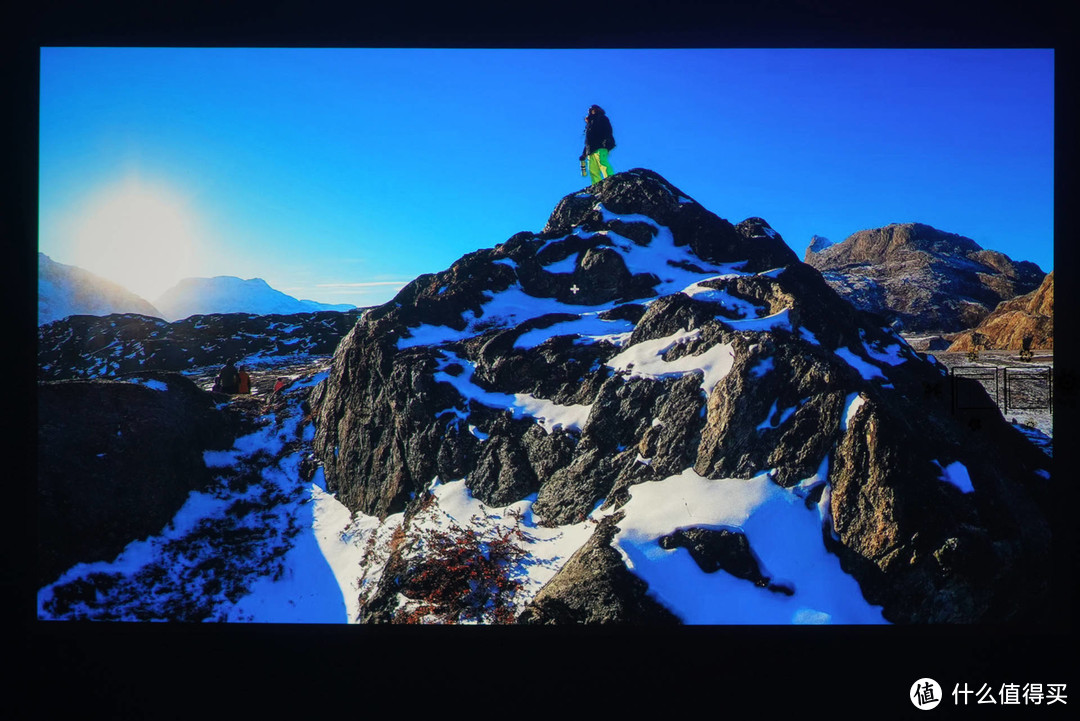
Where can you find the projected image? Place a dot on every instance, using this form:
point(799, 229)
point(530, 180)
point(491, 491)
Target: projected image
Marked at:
point(456, 336)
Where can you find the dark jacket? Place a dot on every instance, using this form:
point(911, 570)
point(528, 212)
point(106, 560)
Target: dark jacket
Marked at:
point(228, 380)
point(598, 134)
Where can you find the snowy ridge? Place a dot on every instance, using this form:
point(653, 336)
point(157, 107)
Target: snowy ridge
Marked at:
point(66, 290)
point(229, 294)
point(86, 347)
point(514, 306)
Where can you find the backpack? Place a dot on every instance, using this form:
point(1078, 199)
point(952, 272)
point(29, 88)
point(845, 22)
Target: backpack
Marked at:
point(610, 144)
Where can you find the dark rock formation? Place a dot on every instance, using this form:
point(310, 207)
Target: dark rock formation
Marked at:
point(714, 550)
point(85, 346)
point(595, 587)
point(116, 461)
point(697, 345)
point(922, 278)
point(1029, 316)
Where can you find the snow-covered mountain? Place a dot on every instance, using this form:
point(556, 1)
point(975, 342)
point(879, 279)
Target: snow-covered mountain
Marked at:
point(229, 294)
point(818, 243)
point(65, 290)
point(732, 441)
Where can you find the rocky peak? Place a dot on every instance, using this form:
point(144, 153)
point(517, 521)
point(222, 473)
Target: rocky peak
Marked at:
point(921, 278)
point(818, 243)
point(880, 245)
point(639, 341)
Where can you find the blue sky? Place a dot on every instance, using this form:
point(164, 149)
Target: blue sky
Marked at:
point(340, 174)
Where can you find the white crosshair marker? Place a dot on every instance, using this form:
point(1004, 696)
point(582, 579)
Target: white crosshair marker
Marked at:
point(574, 289)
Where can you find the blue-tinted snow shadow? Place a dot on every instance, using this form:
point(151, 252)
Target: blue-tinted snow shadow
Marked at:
point(786, 538)
point(307, 591)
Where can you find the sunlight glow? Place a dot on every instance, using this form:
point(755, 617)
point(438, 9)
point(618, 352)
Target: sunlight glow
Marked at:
point(141, 235)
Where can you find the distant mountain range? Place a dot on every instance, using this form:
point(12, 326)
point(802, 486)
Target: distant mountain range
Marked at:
point(66, 290)
point(229, 294)
point(919, 278)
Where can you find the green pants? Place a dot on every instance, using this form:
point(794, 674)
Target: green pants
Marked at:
point(599, 167)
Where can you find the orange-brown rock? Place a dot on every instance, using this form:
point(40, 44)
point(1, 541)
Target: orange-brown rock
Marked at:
point(1013, 320)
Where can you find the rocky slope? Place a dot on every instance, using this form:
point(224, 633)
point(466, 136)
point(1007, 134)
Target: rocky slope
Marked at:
point(121, 434)
point(87, 347)
point(228, 294)
point(116, 460)
point(65, 290)
point(639, 341)
point(922, 279)
point(1028, 316)
point(210, 497)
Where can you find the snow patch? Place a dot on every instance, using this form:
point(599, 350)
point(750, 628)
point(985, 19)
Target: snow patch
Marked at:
point(770, 322)
point(150, 383)
point(762, 367)
point(550, 415)
point(956, 473)
point(854, 402)
point(589, 326)
point(867, 370)
point(784, 415)
point(644, 360)
point(566, 265)
point(506, 308)
point(784, 535)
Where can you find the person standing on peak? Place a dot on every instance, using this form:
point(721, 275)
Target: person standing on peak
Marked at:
point(599, 141)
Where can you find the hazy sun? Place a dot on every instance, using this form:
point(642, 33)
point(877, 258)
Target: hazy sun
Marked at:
point(141, 235)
